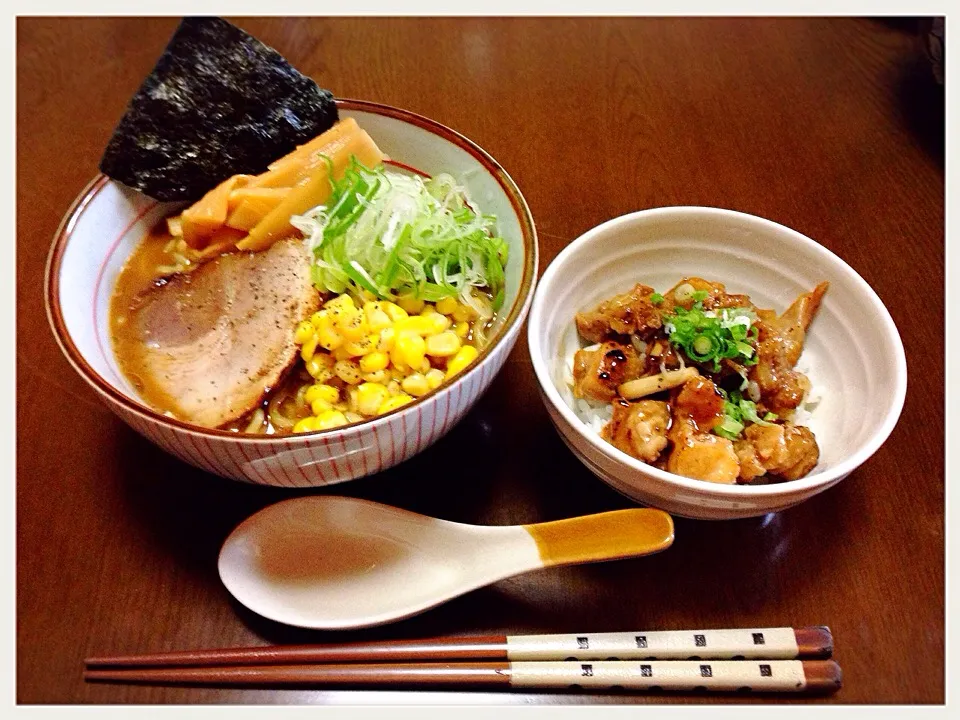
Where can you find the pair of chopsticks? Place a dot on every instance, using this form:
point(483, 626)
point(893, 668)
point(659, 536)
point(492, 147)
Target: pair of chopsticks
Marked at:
point(758, 660)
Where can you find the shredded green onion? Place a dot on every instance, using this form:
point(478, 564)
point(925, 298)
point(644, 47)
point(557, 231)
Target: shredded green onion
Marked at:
point(710, 336)
point(393, 234)
point(729, 428)
point(656, 298)
point(737, 411)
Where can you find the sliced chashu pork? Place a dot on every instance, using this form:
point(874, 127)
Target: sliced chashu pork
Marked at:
point(215, 340)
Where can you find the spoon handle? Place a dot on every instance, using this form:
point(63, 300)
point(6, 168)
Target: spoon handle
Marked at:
point(604, 536)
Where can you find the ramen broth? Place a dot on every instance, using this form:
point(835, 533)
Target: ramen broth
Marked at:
point(142, 271)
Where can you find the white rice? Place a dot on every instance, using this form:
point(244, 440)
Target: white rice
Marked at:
point(803, 415)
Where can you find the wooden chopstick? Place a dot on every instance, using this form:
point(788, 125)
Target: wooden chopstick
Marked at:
point(766, 643)
point(792, 676)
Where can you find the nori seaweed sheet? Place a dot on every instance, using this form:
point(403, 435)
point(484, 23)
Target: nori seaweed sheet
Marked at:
point(219, 102)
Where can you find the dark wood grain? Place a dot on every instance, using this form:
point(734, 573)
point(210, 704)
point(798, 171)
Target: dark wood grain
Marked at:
point(832, 126)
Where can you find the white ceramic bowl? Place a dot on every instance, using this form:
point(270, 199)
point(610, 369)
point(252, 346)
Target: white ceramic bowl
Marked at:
point(853, 350)
point(106, 222)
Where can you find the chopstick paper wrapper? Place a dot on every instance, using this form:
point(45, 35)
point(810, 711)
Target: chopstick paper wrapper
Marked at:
point(766, 643)
point(794, 676)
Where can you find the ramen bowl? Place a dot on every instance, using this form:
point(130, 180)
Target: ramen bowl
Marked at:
point(853, 354)
point(108, 220)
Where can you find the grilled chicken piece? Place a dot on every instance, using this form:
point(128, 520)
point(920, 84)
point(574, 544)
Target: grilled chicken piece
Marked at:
point(788, 451)
point(639, 428)
point(704, 456)
point(780, 343)
point(696, 453)
point(803, 453)
point(717, 296)
point(598, 373)
point(751, 466)
point(629, 313)
point(797, 318)
point(699, 402)
point(215, 340)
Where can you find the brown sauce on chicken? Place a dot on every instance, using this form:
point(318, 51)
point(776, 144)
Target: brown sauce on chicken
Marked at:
point(597, 373)
point(688, 427)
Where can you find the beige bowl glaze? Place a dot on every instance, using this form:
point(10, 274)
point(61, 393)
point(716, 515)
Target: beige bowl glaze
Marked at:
point(106, 222)
point(853, 351)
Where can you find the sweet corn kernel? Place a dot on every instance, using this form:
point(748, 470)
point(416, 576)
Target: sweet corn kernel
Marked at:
point(327, 336)
point(342, 353)
point(322, 318)
point(434, 378)
point(320, 391)
point(411, 304)
point(303, 332)
point(377, 376)
point(318, 363)
point(387, 337)
point(438, 323)
point(462, 329)
point(446, 306)
point(393, 387)
point(307, 424)
point(415, 323)
point(465, 355)
point(427, 309)
point(446, 344)
point(415, 385)
point(330, 419)
point(364, 345)
point(398, 368)
point(348, 371)
point(309, 348)
point(424, 366)
point(410, 348)
point(352, 324)
point(370, 396)
point(374, 361)
point(340, 302)
point(320, 373)
point(351, 399)
point(393, 311)
point(320, 405)
point(377, 319)
point(394, 402)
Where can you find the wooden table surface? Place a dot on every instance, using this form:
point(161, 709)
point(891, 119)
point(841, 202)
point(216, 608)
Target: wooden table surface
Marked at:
point(831, 126)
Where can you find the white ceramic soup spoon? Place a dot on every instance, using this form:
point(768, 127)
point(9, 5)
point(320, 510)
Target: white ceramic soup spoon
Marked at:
point(337, 562)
